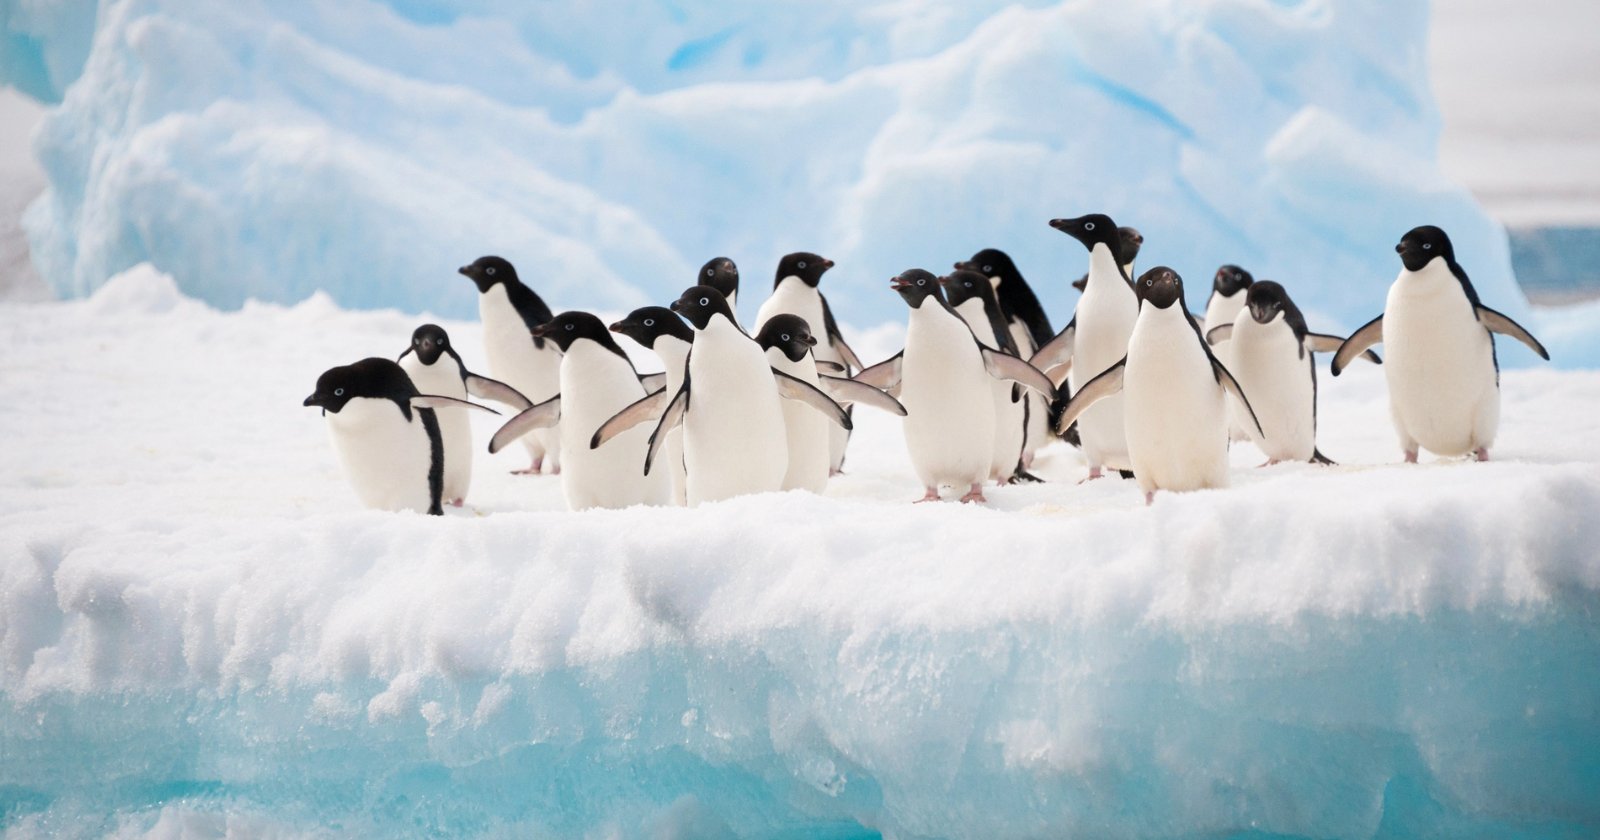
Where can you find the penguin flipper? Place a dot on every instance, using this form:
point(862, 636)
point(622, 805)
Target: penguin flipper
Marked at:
point(791, 388)
point(1006, 366)
point(653, 381)
point(885, 375)
point(836, 338)
point(1221, 334)
point(847, 391)
point(1370, 333)
point(1226, 380)
point(648, 407)
point(1108, 383)
point(830, 367)
point(541, 416)
point(485, 388)
point(1499, 323)
point(436, 401)
point(670, 418)
point(1057, 351)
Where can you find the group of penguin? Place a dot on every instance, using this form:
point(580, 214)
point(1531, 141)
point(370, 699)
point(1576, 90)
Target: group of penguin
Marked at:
point(1137, 382)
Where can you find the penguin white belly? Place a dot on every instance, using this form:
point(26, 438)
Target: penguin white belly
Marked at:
point(1440, 365)
point(1105, 321)
point(443, 378)
point(386, 457)
point(1037, 432)
point(516, 361)
point(734, 441)
point(1177, 420)
point(1008, 416)
point(674, 355)
point(595, 385)
point(1276, 377)
point(1220, 310)
point(949, 422)
point(806, 429)
point(792, 296)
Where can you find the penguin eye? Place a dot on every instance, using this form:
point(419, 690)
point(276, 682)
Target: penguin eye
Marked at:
point(1427, 246)
point(802, 263)
point(784, 337)
point(1088, 225)
point(705, 301)
point(987, 269)
point(922, 282)
point(1238, 277)
point(441, 342)
point(649, 322)
point(710, 271)
point(570, 326)
point(338, 392)
point(489, 270)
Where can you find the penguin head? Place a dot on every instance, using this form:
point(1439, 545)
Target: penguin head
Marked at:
point(649, 323)
point(568, 327)
point(429, 342)
point(1421, 244)
point(789, 333)
point(1267, 300)
point(804, 265)
point(484, 272)
point(1230, 280)
point(1160, 287)
point(916, 286)
point(1093, 229)
point(963, 285)
point(372, 378)
point(699, 304)
point(720, 274)
point(1132, 240)
point(993, 263)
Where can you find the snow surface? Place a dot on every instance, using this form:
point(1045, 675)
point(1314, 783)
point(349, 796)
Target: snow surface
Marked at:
point(266, 150)
point(202, 634)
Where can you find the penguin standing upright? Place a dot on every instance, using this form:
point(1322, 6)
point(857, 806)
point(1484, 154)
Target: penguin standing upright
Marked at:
point(722, 274)
point(971, 297)
point(659, 329)
point(510, 312)
point(1443, 374)
point(386, 434)
point(794, 291)
point(1030, 329)
point(435, 368)
point(1132, 240)
point(1176, 411)
point(1229, 287)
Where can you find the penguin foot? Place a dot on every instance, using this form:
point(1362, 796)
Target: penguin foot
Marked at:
point(1270, 462)
point(1481, 453)
point(1411, 456)
point(1150, 498)
point(1094, 473)
point(532, 469)
point(833, 471)
point(1022, 476)
point(457, 502)
point(974, 495)
point(931, 496)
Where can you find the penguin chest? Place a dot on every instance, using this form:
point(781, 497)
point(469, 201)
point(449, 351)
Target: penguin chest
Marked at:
point(1105, 319)
point(1439, 362)
point(386, 457)
point(443, 378)
point(806, 429)
point(1176, 418)
point(794, 297)
point(596, 384)
point(1223, 309)
point(513, 357)
point(1276, 377)
point(949, 422)
point(733, 431)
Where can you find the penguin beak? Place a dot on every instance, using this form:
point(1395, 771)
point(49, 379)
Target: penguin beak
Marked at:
point(827, 264)
point(1400, 249)
point(314, 399)
point(899, 284)
point(465, 271)
point(616, 328)
point(811, 340)
point(541, 331)
point(676, 306)
point(1081, 283)
point(965, 266)
point(1062, 225)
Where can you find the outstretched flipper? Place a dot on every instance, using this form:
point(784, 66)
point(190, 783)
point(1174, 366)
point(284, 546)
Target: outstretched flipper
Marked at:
point(1499, 323)
point(851, 392)
point(1057, 351)
point(830, 367)
point(485, 388)
point(647, 408)
point(541, 416)
point(1227, 381)
point(1006, 366)
point(885, 375)
point(653, 381)
point(1370, 333)
point(436, 401)
point(791, 388)
point(670, 418)
point(1219, 334)
point(1108, 383)
point(1324, 343)
point(836, 338)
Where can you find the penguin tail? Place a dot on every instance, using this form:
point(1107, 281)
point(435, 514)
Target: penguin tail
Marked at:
point(1125, 473)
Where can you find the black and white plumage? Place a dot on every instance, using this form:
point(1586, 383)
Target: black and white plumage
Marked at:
point(972, 297)
point(660, 330)
point(510, 312)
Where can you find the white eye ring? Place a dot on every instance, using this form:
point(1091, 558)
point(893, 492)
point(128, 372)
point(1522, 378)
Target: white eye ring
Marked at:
point(489, 270)
point(649, 322)
point(710, 271)
point(1088, 225)
point(923, 282)
point(1427, 246)
point(570, 326)
point(784, 337)
point(705, 301)
point(987, 269)
point(802, 263)
point(338, 392)
point(441, 342)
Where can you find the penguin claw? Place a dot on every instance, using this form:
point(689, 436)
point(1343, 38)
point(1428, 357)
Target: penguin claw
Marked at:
point(1481, 454)
point(1094, 473)
point(974, 495)
point(1411, 456)
point(457, 502)
point(931, 496)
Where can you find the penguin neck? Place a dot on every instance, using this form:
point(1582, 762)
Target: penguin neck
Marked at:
point(1432, 279)
point(1103, 269)
point(976, 315)
point(721, 327)
point(672, 350)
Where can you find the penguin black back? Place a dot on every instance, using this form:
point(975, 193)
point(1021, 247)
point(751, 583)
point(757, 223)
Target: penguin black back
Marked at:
point(963, 285)
point(487, 272)
point(1016, 298)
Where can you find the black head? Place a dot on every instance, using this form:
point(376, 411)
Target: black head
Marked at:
point(568, 327)
point(806, 266)
point(1266, 300)
point(991, 262)
point(1230, 280)
point(789, 333)
point(649, 323)
point(1160, 287)
point(429, 342)
point(700, 303)
point(963, 285)
point(1421, 244)
point(1093, 229)
point(484, 272)
point(916, 286)
point(720, 274)
point(1132, 240)
point(374, 378)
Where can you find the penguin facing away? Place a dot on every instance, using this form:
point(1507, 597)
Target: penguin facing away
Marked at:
point(1176, 414)
point(1441, 367)
point(597, 381)
point(510, 311)
point(386, 434)
point(971, 297)
point(660, 330)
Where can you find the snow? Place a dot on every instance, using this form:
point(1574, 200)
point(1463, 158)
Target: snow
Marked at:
point(201, 633)
point(267, 150)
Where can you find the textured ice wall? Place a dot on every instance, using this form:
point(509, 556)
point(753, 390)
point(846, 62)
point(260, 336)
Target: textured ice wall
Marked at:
point(256, 149)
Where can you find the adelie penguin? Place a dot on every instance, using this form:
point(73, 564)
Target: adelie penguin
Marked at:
point(1271, 356)
point(970, 296)
point(1440, 362)
point(1029, 327)
point(1228, 289)
point(510, 312)
point(721, 274)
point(795, 291)
point(435, 368)
point(386, 434)
point(661, 331)
point(1132, 240)
point(943, 378)
point(1176, 413)
point(597, 381)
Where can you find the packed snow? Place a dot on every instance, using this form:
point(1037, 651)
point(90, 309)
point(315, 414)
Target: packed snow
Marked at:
point(203, 634)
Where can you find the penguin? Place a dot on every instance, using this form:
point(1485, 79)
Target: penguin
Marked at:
point(435, 368)
point(386, 434)
point(1030, 329)
point(1096, 338)
point(1271, 357)
point(659, 329)
point(597, 381)
point(1441, 366)
point(943, 378)
point(510, 311)
point(1228, 289)
point(721, 274)
point(1176, 413)
point(794, 290)
point(1132, 240)
point(734, 438)
point(972, 297)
